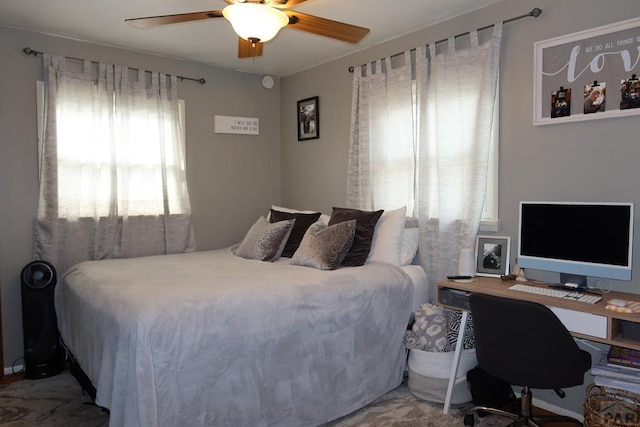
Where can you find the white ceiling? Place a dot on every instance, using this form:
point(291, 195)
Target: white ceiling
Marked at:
point(214, 42)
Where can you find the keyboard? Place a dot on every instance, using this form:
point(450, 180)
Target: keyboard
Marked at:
point(557, 293)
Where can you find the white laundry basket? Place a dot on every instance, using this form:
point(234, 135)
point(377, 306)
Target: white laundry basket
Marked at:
point(429, 375)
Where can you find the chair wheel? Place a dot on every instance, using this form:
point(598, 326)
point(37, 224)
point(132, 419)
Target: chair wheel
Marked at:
point(469, 420)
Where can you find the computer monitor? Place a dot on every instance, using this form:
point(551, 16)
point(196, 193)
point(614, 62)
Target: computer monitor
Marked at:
point(577, 240)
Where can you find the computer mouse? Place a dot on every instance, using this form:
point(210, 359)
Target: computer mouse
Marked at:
point(618, 302)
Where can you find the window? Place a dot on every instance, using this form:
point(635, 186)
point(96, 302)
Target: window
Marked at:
point(490, 220)
point(141, 171)
point(401, 165)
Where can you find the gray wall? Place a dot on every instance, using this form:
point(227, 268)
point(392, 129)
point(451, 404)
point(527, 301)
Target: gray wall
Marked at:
point(586, 161)
point(232, 178)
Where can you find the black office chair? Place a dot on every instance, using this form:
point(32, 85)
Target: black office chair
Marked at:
point(525, 344)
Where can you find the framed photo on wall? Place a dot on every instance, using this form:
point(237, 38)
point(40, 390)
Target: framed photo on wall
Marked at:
point(308, 119)
point(492, 255)
point(600, 57)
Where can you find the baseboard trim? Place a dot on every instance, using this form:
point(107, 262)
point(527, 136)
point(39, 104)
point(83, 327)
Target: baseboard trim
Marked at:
point(557, 409)
point(12, 370)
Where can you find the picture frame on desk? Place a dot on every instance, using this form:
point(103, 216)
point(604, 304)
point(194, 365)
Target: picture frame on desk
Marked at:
point(492, 255)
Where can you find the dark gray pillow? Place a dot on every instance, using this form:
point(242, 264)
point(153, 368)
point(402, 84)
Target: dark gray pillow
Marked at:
point(324, 247)
point(365, 226)
point(303, 221)
point(265, 241)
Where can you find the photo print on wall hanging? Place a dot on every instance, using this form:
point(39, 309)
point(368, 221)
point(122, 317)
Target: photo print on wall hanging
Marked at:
point(561, 103)
point(594, 97)
point(630, 93)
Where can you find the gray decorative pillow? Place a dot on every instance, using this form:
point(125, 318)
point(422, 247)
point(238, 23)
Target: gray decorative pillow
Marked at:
point(324, 247)
point(265, 241)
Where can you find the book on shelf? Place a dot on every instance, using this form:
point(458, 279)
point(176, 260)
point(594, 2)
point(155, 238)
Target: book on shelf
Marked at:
point(623, 357)
point(603, 369)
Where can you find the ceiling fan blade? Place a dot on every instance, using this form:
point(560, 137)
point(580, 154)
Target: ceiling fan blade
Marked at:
point(325, 27)
point(154, 21)
point(285, 4)
point(246, 49)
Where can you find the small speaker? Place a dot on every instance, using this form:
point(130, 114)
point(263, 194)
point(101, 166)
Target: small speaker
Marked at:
point(467, 262)
point(43, 354)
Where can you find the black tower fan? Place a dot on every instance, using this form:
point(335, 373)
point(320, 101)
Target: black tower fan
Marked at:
point(43, 354)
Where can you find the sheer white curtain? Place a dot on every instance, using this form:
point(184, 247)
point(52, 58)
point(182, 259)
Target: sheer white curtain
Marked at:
point(453, 123)
point(381, 167)
point(457, 101)
point(112, 170)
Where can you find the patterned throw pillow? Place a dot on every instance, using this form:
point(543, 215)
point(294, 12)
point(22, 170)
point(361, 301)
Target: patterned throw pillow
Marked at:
point(454, 327)
point(265, 241)
point(324, 247)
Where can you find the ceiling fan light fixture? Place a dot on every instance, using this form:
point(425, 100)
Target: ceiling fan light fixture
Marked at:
point(255, 22)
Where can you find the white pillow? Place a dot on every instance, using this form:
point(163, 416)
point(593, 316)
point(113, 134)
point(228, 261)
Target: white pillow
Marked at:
point(283, 209)
point(324, 218)
point(409, 246)
point(387, 237)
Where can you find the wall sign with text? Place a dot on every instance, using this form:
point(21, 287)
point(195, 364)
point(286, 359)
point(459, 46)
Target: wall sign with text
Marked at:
point(238, 125)
point(592, 74)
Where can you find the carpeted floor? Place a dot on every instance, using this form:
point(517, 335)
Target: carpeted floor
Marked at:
point(59, 401)
point(55, 401)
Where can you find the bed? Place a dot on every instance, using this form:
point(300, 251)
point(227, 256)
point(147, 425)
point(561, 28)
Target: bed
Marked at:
point(212, 339)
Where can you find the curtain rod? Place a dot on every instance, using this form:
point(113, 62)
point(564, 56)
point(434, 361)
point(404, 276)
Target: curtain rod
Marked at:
point(535, 12)
point(27, 50)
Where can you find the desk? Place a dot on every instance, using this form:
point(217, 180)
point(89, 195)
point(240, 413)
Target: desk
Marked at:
point(589, 321)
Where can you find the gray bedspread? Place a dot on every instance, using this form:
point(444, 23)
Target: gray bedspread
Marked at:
point(210, 339)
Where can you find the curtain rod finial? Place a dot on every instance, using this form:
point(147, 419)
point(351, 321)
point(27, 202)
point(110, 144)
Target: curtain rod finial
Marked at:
point(536, 12)
point(27, 50)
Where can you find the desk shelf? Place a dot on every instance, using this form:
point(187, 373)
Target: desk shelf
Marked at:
point(497, 287)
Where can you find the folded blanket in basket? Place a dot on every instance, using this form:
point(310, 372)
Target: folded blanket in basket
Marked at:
point(436, 329)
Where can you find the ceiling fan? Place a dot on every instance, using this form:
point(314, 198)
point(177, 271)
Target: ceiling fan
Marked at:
point(258, 21)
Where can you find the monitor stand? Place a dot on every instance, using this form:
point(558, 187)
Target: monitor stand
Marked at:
point(573, 281)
